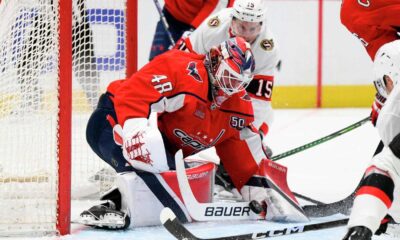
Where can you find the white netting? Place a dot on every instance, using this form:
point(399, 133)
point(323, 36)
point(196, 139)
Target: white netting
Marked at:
point(29, 104)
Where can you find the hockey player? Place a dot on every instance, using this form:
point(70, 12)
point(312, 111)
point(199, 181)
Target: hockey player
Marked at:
point(379, 189)
point(246, 19)
point(182, 16)
point(201, 102)
point(376, 23)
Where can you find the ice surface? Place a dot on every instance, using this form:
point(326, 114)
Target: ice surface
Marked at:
point(327, 172)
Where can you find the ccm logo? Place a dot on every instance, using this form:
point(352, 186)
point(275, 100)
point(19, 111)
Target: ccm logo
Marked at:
point(274, 233)
point(227, 211)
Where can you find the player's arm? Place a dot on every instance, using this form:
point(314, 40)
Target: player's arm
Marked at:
point(251, 172)
point(208, 7)
point(385, 17)
point(390, 19)
point(134, 100)
point(260, 90)
point(201, 40)
point(241, 156)
point(143, 93)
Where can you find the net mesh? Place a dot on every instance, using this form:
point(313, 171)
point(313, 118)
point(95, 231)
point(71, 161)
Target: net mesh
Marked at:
point(29, 105)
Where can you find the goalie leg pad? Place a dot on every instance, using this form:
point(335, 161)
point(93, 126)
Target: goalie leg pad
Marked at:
point(144, 195)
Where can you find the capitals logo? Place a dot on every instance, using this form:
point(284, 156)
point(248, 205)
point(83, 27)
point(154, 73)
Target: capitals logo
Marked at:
point(193, 72)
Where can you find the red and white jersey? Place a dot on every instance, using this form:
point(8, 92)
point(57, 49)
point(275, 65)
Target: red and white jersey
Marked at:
point(176, 85)
point(374, 22)
point(194, 12)
point(216, 29)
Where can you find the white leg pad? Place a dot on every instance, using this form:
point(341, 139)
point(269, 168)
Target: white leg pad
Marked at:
point(137, 199)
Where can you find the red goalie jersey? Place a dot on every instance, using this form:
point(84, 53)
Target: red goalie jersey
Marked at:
point(374, 22)
point(176, 85)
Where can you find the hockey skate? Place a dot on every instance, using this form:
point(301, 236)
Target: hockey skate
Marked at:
point(105, 216)
point(358, 233)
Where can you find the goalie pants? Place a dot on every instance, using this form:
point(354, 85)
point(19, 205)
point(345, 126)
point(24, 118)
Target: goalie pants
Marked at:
point(99, 135)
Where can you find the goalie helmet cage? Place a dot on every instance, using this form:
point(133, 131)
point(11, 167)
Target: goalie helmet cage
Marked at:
point(49, 86)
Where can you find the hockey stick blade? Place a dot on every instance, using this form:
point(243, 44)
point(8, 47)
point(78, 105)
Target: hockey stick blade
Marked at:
point(180, 232)
point(322, 210)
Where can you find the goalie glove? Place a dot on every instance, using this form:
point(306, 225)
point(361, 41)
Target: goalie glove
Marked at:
point(181, 43)
point(376, 107)
point(143, 146)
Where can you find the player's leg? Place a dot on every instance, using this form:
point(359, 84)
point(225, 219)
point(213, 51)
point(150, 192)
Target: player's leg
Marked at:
point(140, 197)
point(375, 195)
point(99, 135)
point(107, 215)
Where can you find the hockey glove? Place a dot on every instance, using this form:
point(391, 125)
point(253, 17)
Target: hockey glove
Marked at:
point(181, 43)
point(376, 107)
point(269, 188)
point(143, 146)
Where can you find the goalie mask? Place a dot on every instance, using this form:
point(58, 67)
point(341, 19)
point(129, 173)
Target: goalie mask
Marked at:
point(230, 67)
point(387, 63)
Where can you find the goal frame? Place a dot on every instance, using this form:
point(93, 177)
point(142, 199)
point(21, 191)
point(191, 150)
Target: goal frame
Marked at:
point(64, 143)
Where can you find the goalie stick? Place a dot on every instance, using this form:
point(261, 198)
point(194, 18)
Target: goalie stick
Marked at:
point(241, 210)
point(180, 232)
point(218, 210)
point(313, 144)
point(209, 211)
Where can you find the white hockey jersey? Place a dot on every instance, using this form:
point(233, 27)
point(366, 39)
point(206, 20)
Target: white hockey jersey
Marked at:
point(216, 29)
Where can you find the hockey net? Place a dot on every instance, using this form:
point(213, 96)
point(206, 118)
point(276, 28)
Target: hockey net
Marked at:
point(29, 105)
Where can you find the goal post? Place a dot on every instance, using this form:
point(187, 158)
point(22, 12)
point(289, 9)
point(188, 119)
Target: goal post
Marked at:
point(56, 58)
point(64, 117)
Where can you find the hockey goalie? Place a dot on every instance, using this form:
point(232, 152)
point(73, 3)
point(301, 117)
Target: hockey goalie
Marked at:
point(201, 102)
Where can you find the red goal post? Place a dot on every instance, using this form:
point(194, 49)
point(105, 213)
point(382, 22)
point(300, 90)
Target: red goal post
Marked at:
point(56, 58)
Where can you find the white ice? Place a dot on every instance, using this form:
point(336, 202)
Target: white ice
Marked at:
point(327, 172)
